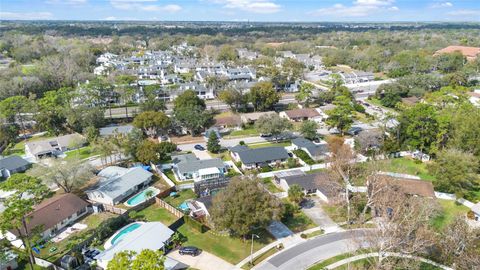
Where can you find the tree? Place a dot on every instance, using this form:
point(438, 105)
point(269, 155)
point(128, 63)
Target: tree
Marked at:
point(458, 245)
point(148, 152)
point(227, 53)
point(263, 96)
point(450, 62)
point(213, 144)
point(202, 120)
point(304, 94)
point(418, 127)
point(152, 123)
point(16, 106)
point(273, 124)
point(341, 117)
point(296, 194)
point(147, 259)
point(309, 129)
point(152, 104)
point(51, 110)
point(188, 99)
point(243, 206)
point(455, 171)
point(27, 192)
point(67, 175)
point(234, 98)
point(465, 130)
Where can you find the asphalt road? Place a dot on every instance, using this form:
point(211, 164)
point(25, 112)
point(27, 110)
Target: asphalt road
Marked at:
point(312, 251)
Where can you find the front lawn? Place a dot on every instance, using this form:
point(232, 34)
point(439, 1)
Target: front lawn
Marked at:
point(298, 222)
point(231, 249)
point(449, 210)
point(157, 213)
point(251, 131)
point(224, 154)
point(407, 166)
point(267, 182)
point(270, 144)
point(304, 156)
point(182, 196)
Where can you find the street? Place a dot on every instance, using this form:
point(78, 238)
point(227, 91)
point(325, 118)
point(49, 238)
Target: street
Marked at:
point(312, 251)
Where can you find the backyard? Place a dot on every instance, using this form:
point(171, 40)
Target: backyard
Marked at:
point(81, 153)
point(270, 186)
point(157, 213)
point(19, 147)
point(231, 249)
point(269, 144)
point(298, 222)
point(449, 210)
point(182, 196)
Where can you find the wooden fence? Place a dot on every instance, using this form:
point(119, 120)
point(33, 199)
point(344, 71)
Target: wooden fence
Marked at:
point(169, 208)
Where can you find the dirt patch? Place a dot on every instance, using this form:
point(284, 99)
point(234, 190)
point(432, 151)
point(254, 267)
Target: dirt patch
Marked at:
point(187, 139)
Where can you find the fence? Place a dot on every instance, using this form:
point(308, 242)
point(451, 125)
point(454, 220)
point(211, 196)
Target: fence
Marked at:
point(169, 208)
point(113, 209)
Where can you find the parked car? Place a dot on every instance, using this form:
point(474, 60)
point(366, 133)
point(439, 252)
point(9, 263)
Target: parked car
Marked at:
point(354, 131)
point(266, 135)
point(199, 147)
point(193, 251)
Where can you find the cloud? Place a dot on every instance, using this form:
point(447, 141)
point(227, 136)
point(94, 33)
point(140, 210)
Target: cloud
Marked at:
point(25, 15)
point(465, 12)
point(68, 2)
point(253, 6)
point(110, 18)
point(359, 8)
point(144, 5)
point(442, 5)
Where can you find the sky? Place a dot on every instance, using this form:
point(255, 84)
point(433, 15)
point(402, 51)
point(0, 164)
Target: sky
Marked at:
point(242, 10)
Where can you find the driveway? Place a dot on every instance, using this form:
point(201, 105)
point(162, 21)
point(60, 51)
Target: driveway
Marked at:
point(201, 154)
point(313, 209)
point(317, 249)
point(279, 230)
point(204, 261)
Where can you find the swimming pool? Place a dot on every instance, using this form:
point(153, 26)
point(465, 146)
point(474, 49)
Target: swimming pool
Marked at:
point(120, 234)
point(184, 206)
point(142, 196)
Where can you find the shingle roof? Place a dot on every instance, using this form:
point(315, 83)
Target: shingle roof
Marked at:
point(411, 186)
point(54, 210)
point(264, 154)
point(238, 148)
point(470, 52)
point(195, 165)
point(48, 145)
point(321, 181)
point(12, 163)
point(114, 184)
point(314, 149)
point(302, 113)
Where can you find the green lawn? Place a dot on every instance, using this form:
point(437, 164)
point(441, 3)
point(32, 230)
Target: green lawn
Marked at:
point(450, 209)
point(231, 249)
point(81, 153)
point(19, 147)
point(267, 182)
point(299, 222)
point(257, 260)
point(244, 132)
point(335, 212)
point(170, 175)
point(313, 234)
point(269, 144)
point(407, 166)
point(224, 154)
point(157, 213)
point(182, 196)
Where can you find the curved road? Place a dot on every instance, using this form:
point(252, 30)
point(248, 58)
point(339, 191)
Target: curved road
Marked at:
point(312, 251)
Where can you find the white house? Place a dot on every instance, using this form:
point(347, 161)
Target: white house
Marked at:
point(188, 167)
point(13, 164)
point(474, 97)
point(117, 183)
point(54, 146)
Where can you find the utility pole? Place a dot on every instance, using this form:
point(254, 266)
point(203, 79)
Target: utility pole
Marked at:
point(251, 249)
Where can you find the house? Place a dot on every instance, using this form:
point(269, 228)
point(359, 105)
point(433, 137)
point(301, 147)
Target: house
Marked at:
point(13, 164)
point(259, 157)
point(188, 166)
point(471, 53)
point(52, 215)
point(233, 121)
point(476, 211)
point(297, 115)
point(53, 147)
point(199, 207)
point(249, 118)
point(321, 184)
point(8, 261)
point(315, 151)
point(407, 185)
point(149, 235)
point(357, 77)
point(117, 183)
point(115, 130)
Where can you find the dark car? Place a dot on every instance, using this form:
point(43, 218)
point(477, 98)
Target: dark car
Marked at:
point(354, 131)
point(199, 147)
point(193, 251)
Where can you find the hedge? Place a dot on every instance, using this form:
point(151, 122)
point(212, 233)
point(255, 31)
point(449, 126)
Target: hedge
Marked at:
point(304, 156)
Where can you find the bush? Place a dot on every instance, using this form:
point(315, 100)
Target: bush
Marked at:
point(265, 169)
point(304, 236)
point(241, 143)
point(304, 156)
point(291, 163)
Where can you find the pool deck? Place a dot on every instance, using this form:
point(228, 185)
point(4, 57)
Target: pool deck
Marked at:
point(155, 190)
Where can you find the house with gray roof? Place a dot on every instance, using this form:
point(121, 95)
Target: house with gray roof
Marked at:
point(258, 157)
point(115, 130)
point(188, 167)
point(117, 183)
point(54, 146)
point(315, 151)
point(13, 164)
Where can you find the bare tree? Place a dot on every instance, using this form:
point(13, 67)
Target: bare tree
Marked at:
point(341, 164)
point(68, 175)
